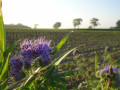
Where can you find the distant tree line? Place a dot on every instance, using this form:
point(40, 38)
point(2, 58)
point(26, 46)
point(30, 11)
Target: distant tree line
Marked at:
point(19, 25)
point(77, 22)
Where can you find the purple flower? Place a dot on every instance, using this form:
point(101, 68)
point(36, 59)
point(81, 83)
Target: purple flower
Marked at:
point(107, 68)
point(31, 49)
point(27, 52)
point(26, 44)
point(27, 48)
point(43, 49)
point(16, 65)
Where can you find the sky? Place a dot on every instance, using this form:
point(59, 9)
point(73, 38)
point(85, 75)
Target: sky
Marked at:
point(46, 12)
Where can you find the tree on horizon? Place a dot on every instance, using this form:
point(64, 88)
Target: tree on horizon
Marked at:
point(118, 24)
point(77, 22)
point(57, 25)
point(94, 22)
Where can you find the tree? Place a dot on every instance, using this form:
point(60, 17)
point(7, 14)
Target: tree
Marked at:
point(57, 25)
point(77, 22)
point(35, 26)
point(118, 24)
point(94, 22)
point(74, 24)
point(19, 25)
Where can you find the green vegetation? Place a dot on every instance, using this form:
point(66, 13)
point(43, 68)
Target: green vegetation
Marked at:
point(86, 62)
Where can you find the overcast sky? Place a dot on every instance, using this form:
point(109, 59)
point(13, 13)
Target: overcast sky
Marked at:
point(46, 12)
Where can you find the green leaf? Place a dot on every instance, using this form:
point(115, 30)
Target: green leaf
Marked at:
point(116, 63)
point(96, 61)
point(4, 72)
point(61, 43)
point(8, 50)
point(1, 61)
point(50, 72)
point(32, 77)
point(2, 34)
point(5, 54)
point(59, 59)
point(30, 80)
point(4, 84)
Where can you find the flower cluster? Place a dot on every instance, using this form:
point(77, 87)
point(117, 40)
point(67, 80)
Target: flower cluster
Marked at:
point(107, 68)
point(39, 47)
point(16, 65)
point(42, 48)
point(27, 52)
point(30, 49)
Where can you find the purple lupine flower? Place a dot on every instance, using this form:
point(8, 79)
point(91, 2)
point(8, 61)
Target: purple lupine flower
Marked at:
point(27, 52)
point(16, 65)
point(31, 49)
point(27, 48)
point(107, 68)
point(43, 49)
point(26, 44)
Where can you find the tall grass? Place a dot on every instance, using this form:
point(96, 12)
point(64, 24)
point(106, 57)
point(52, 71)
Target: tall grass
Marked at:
point(2, 34)
point(96, 61)
point(4, 55)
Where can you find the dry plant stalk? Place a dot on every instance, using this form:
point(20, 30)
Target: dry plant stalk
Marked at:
point(0, 4)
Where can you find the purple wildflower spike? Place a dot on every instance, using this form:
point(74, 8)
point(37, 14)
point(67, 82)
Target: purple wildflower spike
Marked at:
point(107, 68)
point(31, 49)
point(42, 48)
point(27, 52)
point(16, 65)
point(26, 44)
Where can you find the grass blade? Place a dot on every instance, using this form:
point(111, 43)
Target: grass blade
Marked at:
point(2, 40)
point(1, 61)
point(96, 61)
point(2, 34)
point(61, 43)
point(4, 72)
point(8, 50)
point(5, 54)
point(59, 59)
